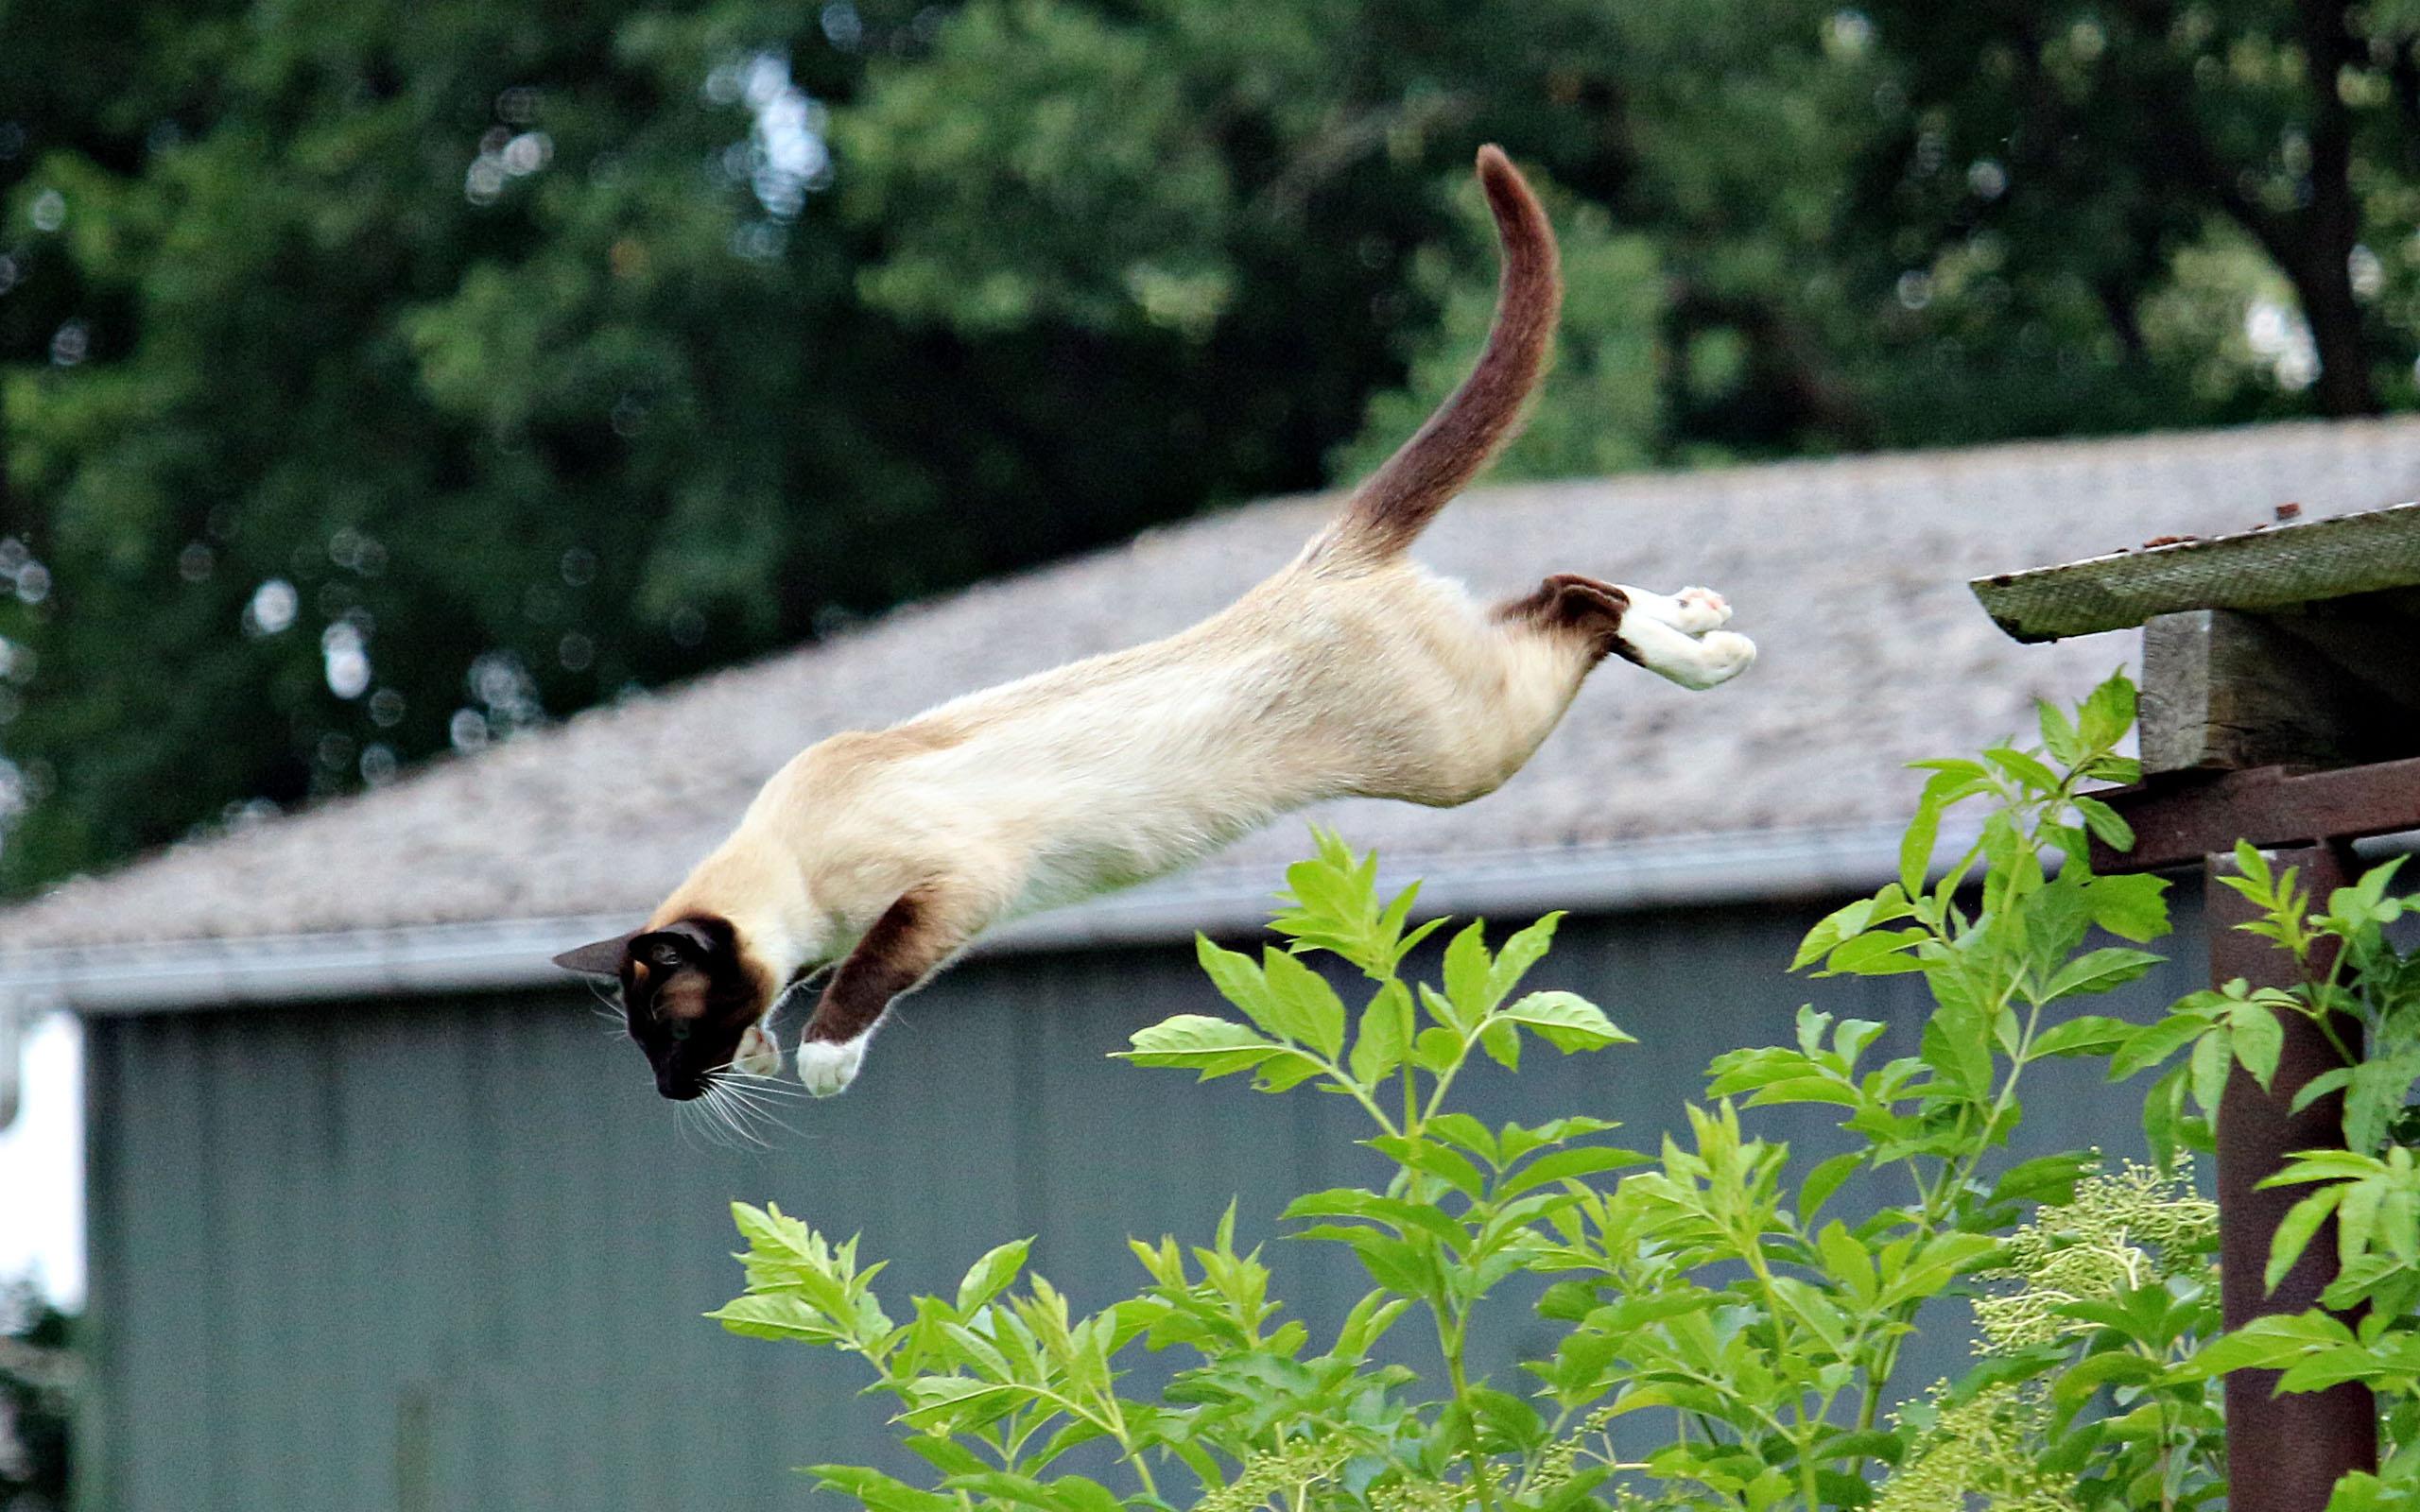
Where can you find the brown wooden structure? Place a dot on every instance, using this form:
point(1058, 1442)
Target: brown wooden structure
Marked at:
point(2280, 705)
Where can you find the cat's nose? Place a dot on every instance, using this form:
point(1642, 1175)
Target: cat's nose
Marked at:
point(680, 1085)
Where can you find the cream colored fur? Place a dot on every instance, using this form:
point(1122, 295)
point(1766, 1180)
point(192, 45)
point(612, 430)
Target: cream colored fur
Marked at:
point(1389, 683)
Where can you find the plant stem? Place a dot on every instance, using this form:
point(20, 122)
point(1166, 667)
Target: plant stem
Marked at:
point(1450, 1342)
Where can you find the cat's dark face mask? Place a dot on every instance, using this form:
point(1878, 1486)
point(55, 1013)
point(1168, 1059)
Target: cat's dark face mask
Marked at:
point(688, 996)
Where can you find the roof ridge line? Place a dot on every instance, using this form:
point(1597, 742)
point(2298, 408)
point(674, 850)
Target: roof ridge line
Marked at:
point(503, 954)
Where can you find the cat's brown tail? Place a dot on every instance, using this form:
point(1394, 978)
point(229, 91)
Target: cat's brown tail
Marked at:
point(1397, 500)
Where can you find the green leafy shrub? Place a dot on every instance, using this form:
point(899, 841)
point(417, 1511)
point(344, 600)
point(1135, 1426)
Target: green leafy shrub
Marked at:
point(1730, 1326)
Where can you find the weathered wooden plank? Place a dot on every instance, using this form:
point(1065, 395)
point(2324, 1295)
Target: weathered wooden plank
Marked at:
point(2336, 684)
point(2269, 568)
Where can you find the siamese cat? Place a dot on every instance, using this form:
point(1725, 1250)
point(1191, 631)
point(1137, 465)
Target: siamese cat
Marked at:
point(1351, 672)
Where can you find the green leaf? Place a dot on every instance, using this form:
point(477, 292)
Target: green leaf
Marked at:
point(1435, 1049)
point(1956, 1044)
point(1520, 953)
point(1825, 1180)
point(1076, 1493)
point(2163, 1121)
point(2107, 825)
point(2295, 1231)
point(1385, 1036)
point(1406, 1218)
point(2058, 735)
point(1467, 970)
point(1502, 1043)
point(880, 1492)
point(2098, 971)
point(2266, 1343)
point(2133, 906)
point(955, 1403)
point(1238, 980)
point(2210, 1062)
point(1194, 1041)
point(1877, 952)
point(1565, 1021)
point(1915, 846)
point(2075, 1385)
point(1846, 1260)
point(1402, 1266)
point(1843, 922)
point(2257, 1038)
point(1434, 1159)
point(770, 1232)
point(2050, 1178)
point(2153, 1043)
point(1565, 1165)
point(2026, 769)
point(2107, 712)
point(987, 1275)
point(1469, 1134)
point(1280, 1072)
point(1303, 1007)
point(767, 1316)
point(2089, 1035)
point(946, 1455)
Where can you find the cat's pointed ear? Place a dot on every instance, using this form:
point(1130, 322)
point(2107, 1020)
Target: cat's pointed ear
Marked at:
point(600, 957)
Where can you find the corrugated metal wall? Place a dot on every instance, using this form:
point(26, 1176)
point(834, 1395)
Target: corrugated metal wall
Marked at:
point(451, 1254)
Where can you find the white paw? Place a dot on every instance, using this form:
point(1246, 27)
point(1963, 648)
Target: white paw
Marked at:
point(1700, 609)
point(1725, 656)
point(826, 1067)
point(759, 1053)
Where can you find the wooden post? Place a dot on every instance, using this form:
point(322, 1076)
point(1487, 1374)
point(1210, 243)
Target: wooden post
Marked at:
point(2280, 705)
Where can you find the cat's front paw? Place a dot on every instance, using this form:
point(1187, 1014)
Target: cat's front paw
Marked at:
point(759, 1053)
point(826, 1067)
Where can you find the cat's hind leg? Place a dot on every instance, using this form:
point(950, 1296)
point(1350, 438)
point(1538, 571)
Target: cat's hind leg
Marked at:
point(1654, 631)
point(1568, 604)
point(1692, 610)
point(1697, 661)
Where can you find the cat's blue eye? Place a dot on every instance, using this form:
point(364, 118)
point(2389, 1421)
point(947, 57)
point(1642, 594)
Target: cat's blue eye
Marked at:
point(677, 1030)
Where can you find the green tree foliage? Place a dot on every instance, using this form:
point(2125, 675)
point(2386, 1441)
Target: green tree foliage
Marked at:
point(1599, 410)
point(377, 379)
point(38, 1377)
point(2094, 143)
point(1725, 1318)
point(382, 378)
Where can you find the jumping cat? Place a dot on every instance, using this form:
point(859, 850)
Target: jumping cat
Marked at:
point(1351, 672)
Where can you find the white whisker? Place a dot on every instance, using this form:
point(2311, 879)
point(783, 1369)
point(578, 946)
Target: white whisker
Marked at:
point(764, 1086)
point(729, 1110)
point(743, 1103)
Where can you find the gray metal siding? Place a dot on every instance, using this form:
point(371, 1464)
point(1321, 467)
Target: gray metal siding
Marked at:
point(451, 1254)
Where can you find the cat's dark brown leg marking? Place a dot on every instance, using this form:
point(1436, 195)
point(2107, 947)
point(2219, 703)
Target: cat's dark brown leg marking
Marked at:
point(1569, 601)
point(906, 944)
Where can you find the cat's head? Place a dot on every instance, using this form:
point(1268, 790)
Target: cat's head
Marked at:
point(689, 994)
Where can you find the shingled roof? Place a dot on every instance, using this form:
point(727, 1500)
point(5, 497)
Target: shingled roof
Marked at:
point(1850, 575)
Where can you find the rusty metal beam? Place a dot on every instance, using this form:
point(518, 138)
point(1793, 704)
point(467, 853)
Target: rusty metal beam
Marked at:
point(2284, 1452)
point(2186, 816)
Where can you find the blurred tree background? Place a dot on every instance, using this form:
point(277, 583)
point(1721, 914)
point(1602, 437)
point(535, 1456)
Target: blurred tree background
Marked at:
point(379, 378)
point(38, 1386)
